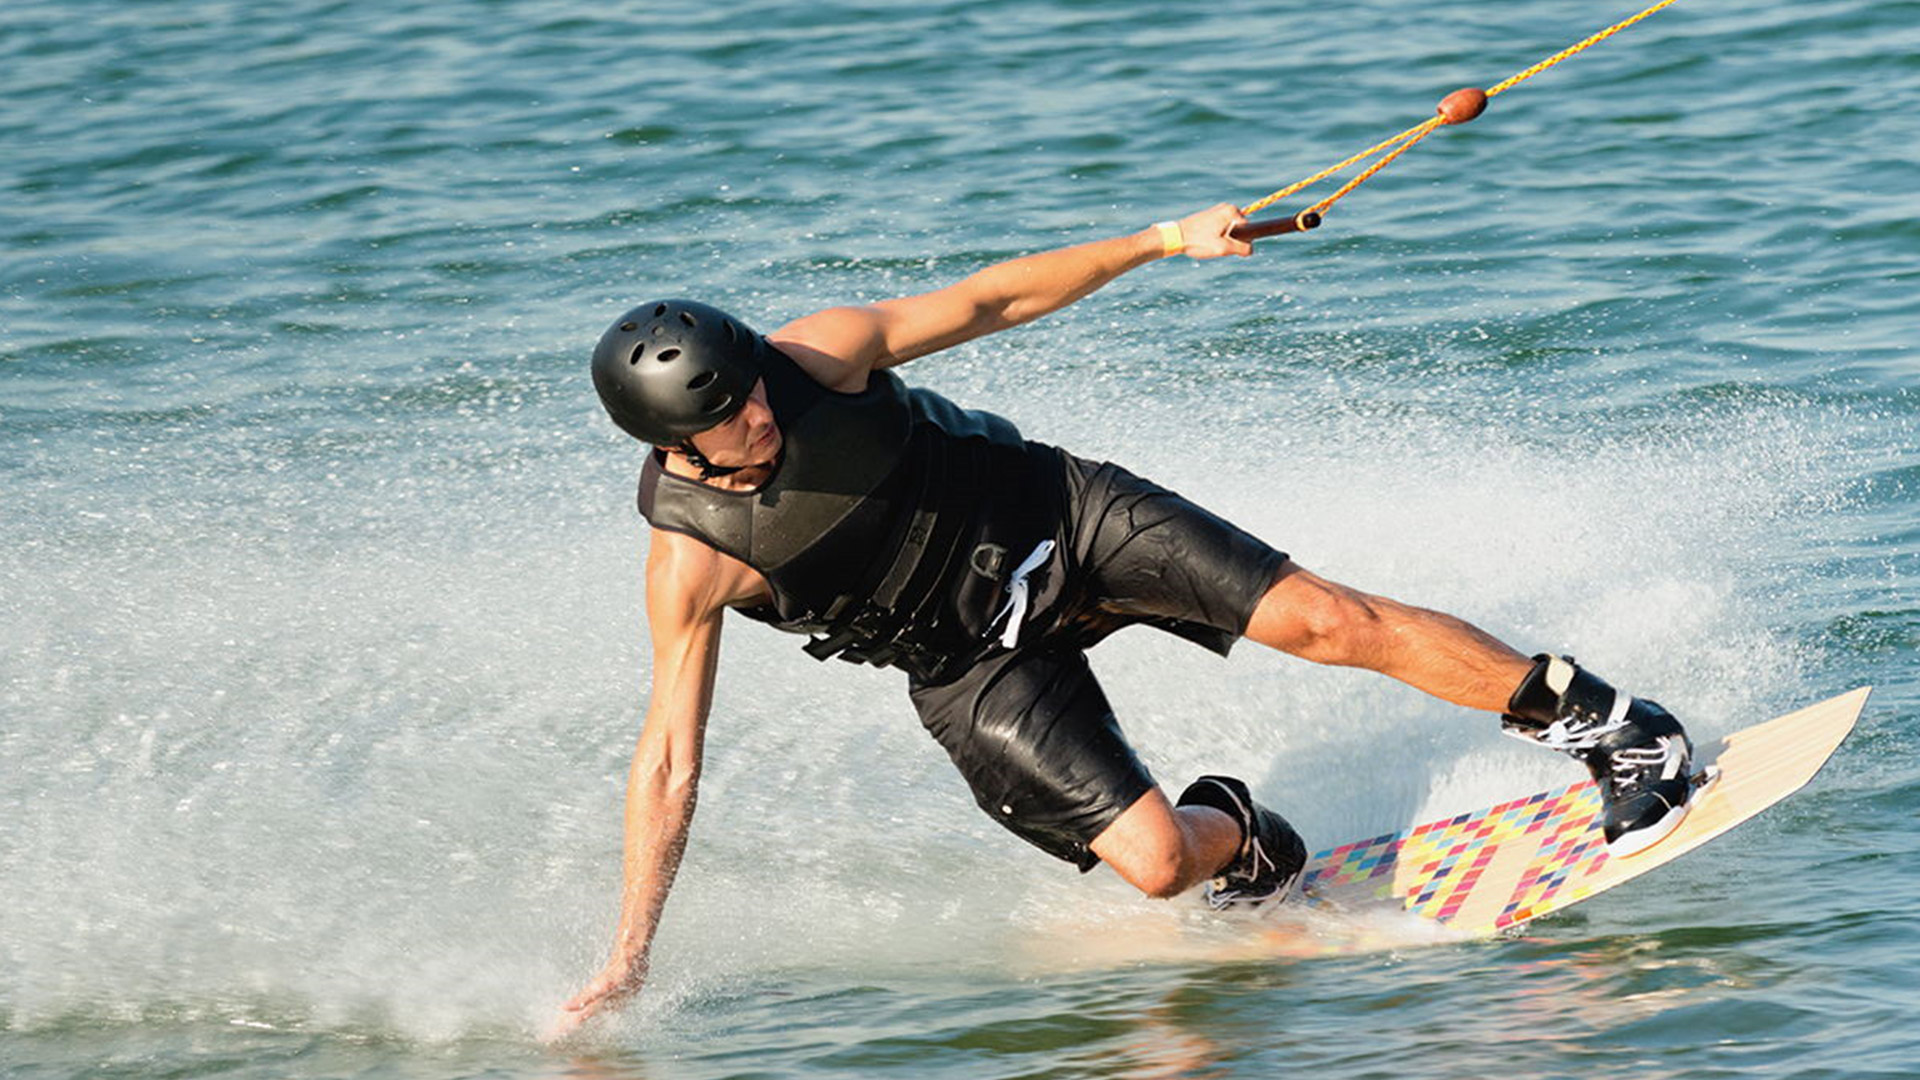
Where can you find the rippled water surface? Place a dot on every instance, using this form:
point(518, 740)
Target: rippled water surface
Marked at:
point(320, 638)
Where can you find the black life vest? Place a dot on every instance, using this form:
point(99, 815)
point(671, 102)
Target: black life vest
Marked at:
point(889, 526)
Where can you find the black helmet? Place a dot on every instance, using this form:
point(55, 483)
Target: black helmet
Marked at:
point(668, 369)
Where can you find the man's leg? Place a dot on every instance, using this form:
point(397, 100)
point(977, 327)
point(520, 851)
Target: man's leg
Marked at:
point(1635, 750)
point(1329, 623)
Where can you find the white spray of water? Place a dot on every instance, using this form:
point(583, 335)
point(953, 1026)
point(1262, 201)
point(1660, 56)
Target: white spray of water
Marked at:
point(376, 782)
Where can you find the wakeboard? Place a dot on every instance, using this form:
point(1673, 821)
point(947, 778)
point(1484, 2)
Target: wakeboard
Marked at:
point(1480, 873)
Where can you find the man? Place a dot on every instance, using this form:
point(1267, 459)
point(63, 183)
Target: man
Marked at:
point(796, 480)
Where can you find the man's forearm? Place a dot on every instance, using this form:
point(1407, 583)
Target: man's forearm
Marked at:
point(659, 815)
point(1026, 288)
point(659, 809)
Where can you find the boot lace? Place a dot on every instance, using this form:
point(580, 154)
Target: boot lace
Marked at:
point(1635, 766)
point(1579, 730)
point(1221, 891)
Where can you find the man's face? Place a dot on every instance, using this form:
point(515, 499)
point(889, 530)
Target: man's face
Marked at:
point(749, 439)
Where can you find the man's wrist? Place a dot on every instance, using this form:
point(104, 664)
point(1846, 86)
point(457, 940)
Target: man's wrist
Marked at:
point(1173, 239)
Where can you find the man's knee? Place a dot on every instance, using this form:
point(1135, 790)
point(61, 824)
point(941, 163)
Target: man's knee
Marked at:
point(1147, 848)
point(1156, 865)
point(1161, 875)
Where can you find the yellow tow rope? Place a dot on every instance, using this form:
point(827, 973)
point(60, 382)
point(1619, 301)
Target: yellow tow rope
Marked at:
point(1457, 108)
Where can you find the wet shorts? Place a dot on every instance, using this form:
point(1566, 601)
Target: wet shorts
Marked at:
point(1029, 727)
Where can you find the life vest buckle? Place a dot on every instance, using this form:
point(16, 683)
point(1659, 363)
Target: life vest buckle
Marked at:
point(988, 560)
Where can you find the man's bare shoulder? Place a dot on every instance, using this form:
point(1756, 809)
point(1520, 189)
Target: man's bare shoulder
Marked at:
point(689, 575)
point(837, 347)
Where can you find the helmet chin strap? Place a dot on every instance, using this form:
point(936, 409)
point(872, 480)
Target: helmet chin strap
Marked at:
point(708, 470)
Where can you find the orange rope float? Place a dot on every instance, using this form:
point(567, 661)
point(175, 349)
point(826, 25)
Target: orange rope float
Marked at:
point(1456, 108)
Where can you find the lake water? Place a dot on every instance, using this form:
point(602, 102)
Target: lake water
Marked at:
point(321, 650)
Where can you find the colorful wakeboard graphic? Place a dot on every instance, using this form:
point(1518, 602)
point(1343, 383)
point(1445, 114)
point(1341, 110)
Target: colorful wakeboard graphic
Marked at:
point(1482, 872)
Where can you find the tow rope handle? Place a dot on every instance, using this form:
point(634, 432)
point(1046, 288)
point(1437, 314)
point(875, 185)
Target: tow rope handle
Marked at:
point(1260, 230)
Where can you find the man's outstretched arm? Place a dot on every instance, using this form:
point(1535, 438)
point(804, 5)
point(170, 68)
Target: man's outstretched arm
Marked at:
point(688, 588)
point(840, 346)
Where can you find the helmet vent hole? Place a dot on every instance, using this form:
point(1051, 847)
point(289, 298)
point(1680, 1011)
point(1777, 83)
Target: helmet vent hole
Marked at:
point(638, 351)
point(702, 380)
point(668, 355)
point(659, 310)
point(687, 317)
point(629, 327)
point(733, 333)
point(725, 402)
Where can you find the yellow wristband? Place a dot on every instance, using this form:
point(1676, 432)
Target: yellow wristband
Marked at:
point(1172, 240)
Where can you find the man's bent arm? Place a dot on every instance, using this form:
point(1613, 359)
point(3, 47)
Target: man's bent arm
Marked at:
point(840, 346)
point(687, 594)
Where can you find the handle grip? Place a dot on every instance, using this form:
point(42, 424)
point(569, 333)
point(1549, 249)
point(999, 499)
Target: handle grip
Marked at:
point(1259, 230)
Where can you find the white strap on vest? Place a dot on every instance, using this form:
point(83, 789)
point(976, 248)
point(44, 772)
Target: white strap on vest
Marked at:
point(1017, 593)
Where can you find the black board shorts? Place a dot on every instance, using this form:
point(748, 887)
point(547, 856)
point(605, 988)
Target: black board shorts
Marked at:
point(1029, 727)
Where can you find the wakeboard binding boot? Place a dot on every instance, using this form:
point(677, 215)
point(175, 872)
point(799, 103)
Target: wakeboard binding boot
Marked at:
point(1271, 855)
point(1638, 753)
